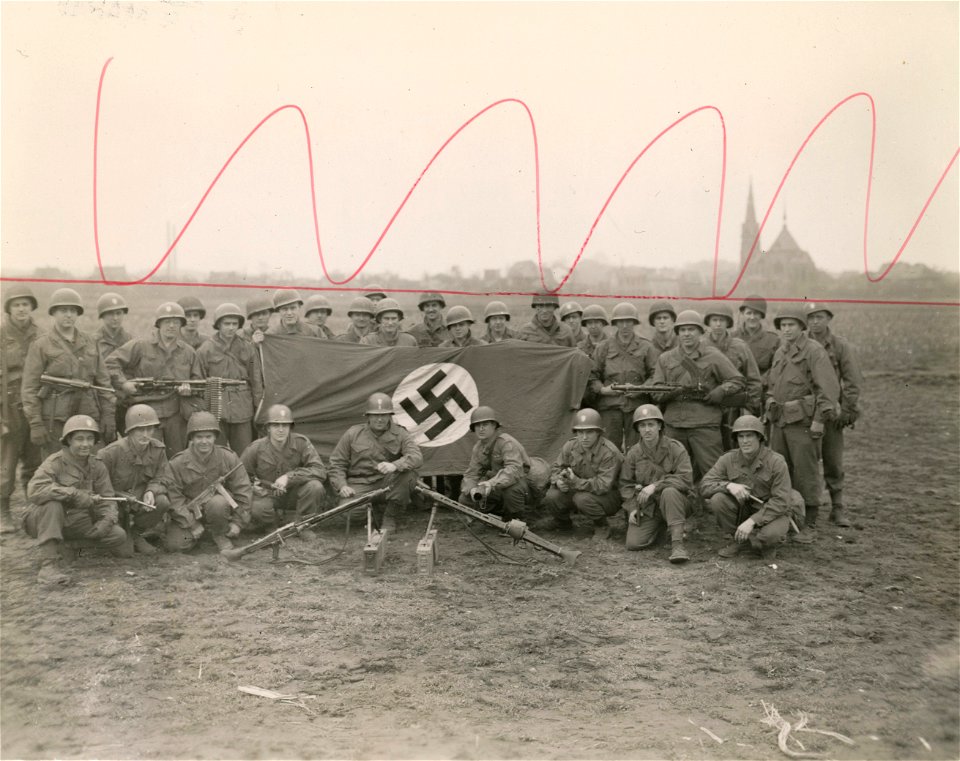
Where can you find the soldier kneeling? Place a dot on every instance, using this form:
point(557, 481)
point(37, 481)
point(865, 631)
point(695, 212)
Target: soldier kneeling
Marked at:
point(496, 476)
point(288, 472)
point(654, 482)
point(750, 494)
point(66, 502)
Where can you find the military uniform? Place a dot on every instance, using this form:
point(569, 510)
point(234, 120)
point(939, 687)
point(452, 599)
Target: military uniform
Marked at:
point(15, 444)
point(803, 387)
point(667, 465)
point(351, 336)
point(594, 492)
point(428, 335)
point(378, 339)
point(236, 360)
point(109, 341)
point(588, 346)
point(354, 460)
point(190, 477)
point(299, 328)
point(767, 477)
point(136, 473)
point(557, 334)
point(508, 335)
point(193, 339)
point(763, 345)
point(660, 345)
point(751, 399)
point(451, 343)
point(324, 332)
point(503, 463)
point(306, 472)
point(48, 407)
point(615, 362)
point(149, 358)
point(62, 506)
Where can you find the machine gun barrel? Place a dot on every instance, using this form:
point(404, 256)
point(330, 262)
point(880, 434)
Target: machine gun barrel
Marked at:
point(54, 380)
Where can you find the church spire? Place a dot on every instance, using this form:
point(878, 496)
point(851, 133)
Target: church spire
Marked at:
point(749, 229)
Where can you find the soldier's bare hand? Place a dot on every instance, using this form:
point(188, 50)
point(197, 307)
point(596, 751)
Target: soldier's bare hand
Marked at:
point(738, 491)
point(744, 530)
point(346, 492)
point(646, 493)
point(184, 389)
point(149, 498)
point(816, 429)
point(633, 517)
point(386, 468)
point(257, 337)
point(129, 387)
point(281, 483)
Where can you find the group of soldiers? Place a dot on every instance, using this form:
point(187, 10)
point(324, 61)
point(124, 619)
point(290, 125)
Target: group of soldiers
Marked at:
point(699, 414)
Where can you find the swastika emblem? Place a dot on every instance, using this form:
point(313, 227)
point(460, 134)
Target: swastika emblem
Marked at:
point(434, 403)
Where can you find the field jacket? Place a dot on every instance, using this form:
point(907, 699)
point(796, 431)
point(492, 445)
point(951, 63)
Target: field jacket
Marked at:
point(802, 384)
point(136, 472)
point(14, 343)
point(67, 479)
point(558, 334)
point(148, 358)
point(615, 363)
point(596, 468)
point(501, 461)
point(236, 361)
point(378, 339)
point(665, 464)
point(766, 476)
point(359, 450)
point(192, 475)
point(108, 342)
point(430, 335)
point(742, 358)
point(298, 458)
point(712, 370)
point(299, 328)
point(762, 344)
point(847, 368)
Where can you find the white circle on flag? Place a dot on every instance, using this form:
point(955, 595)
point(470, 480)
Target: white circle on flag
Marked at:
point(434, 403)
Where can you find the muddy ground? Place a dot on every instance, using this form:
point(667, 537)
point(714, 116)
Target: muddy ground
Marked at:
point(619, 656)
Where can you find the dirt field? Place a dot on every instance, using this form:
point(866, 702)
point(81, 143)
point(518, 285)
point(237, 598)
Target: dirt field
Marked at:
point(619, 656)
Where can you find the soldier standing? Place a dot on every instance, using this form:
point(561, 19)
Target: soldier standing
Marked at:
point(431, 331)
point(196, 468)
point(459, 321)
point(65, 352)
point(847, 368)
point(65, 500)
point(162, 357)
point(496, 316)
point(228, 356)
point(802, 398)
point(584, 477)
point(751, 471)
point(17, 333)
point(375, 293)
point(110, 336)
point(138, 466)
point(193, 311)
point(389, 318)
point(571, 313)
point(360, 312)
point(595, 321)
point(287, 303)
point(662, 318)
point(375, 454)
point(762, 343)
point(259, 309)
point(496, 476)
point(316, 310)
point(545, 328)
point(287, 471)
point(655, 480)
point(625, 357)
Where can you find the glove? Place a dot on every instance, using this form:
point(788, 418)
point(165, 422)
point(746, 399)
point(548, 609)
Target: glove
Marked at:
point(848, 417)
point(38, 435)
point(100, 529)
point(715, 395)
point(108, 428)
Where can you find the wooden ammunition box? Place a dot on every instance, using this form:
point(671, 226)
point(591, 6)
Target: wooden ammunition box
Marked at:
point(374, 552)
point(427, 553)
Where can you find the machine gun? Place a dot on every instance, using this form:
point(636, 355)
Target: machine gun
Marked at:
point(53, 380)
point(211, 389)
point(195, 505)
point(516, 530)
point(277, 537)
point(679, 391)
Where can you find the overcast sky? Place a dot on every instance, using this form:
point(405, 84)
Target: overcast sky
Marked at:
point(384, 85)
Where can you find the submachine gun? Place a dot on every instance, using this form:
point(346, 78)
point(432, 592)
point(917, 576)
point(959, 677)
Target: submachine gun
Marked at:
point(516, 530)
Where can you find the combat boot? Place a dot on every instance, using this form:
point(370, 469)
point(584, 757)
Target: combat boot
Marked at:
point(223, 542)
point(678, 553)
point(7, 526)
point(142, 546)
point(730, 550)
point(808, 534)
point(839, 517)
point(768, 554)
point(50, 574)
point(556, 523)
point(601, 530)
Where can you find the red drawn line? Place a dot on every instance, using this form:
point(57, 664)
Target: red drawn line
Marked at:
point(536, 158)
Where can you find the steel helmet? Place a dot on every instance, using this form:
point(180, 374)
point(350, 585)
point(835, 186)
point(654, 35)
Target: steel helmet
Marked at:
point(545, 299)
point(111, 302)
point(362, 305)
point(259, 303)
point(569, 308)
point(18, 291)
point(80, 423)
point(688, 317)
point(65, 297)
point(140, 416)
point(483, 415)
point(375, 292)
point(720, 310)
point(587, 419)
point(169, 309)
point(792, 312)
point(192, 304)
point(748, 423)
point(756, 303)
point(284, 297)
point(279, 413)
point(387, 305)
point(595, 312)
point(202, 421)
point(379, 404)
point(495, 308)
point(426, 298)
point(227, 310)
point(647, 412)
point(661, 306)
point(457, 315)
point(317, 303)
point(625, 311)
point(813, 307)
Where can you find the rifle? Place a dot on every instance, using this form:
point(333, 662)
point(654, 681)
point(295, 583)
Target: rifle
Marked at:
point(690, 393)
point(195, 504)
point(516, 530)
point(275, 538)
point(53, 380)
point(126, 499)
point(743, 514)
point(269, 488)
